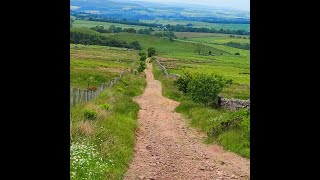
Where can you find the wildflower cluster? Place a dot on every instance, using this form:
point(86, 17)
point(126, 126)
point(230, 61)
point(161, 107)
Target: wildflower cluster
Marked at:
point(86, 162)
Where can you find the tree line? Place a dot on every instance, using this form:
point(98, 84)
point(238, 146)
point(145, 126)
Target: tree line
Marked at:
point(182, 28)
point(115, 29)
point(176, 28)
point(89, 37)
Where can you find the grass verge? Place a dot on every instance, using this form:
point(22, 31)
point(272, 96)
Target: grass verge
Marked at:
point(221, 125)
point(103, 131)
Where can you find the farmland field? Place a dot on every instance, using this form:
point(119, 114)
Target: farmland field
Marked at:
point(100, 62)
point(106, 25)
point(220, 40)
point(199, 24)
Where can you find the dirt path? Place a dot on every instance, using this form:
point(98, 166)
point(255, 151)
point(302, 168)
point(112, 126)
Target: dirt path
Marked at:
point(166, 148)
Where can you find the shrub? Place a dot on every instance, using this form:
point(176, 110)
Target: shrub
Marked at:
point(237, 53)
point(183, 82)
point(90, 114)
point(105, 106)
point(143, 58)
point(142, 66)
point(151, 51)
point(205, 89)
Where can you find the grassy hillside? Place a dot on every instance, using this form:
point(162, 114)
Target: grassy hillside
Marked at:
point(163, 46)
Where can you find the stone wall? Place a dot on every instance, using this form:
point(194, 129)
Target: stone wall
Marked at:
point(233, 104)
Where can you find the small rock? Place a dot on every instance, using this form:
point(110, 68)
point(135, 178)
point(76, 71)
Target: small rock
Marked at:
point(234, 177)
point(201, 168)
point(141, 177)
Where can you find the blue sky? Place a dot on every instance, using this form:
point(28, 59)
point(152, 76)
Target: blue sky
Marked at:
point(236, 4)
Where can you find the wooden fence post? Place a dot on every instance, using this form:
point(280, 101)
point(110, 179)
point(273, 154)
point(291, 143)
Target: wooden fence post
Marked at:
point(71, 96)
point(78, 95)
point(74, 96)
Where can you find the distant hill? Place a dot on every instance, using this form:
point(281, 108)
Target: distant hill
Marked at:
point(137, 10)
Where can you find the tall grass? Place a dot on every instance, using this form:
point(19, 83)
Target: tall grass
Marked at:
point(101, 148)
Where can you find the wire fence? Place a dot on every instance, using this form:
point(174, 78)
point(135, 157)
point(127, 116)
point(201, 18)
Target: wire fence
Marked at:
point(78, 95)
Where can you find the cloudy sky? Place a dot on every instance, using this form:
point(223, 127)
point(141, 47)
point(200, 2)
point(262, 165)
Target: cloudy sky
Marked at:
point(237, 4)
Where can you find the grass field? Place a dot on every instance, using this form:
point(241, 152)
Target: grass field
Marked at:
point(163, 46)
point(100, 62)
point(106, 25)
point(199, 24)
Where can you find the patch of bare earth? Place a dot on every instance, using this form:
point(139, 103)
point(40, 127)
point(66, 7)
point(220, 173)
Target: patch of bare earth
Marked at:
point(166, 148)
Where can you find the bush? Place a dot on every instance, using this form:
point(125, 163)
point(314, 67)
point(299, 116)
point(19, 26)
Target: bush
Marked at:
point(142, 67)
point(205, 89)
point(151, 52)
point(237, 54)
point(105, 106)
point(90, 114)
point(143, 58)
point(183, 82)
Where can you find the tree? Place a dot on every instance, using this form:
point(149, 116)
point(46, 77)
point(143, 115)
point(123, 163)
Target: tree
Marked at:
point(151, 51)
point(135, 45)
point(237, 53)
point(130, 30)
